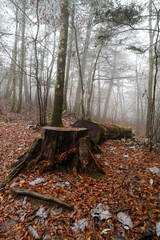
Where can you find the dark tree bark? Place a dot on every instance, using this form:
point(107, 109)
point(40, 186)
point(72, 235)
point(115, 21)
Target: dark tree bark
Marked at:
point(68, 149)
point(56, 118)
point(99, 132)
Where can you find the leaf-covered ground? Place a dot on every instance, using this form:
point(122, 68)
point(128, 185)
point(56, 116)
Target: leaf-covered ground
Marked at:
point(128, 187)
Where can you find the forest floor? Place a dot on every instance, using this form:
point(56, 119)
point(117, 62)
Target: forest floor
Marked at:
point(123, 204)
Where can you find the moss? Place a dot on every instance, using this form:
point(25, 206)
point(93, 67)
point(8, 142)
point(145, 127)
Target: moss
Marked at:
point(60, 138)
point(30, 163)
point(117, 141)
point(98, 176)
point(97, 138)
point(54, 145)
point(129, 144)
point(75, 160)
point(126, 131)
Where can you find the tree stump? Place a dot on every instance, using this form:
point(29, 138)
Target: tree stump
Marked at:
point(68, 148)
point(59, 140)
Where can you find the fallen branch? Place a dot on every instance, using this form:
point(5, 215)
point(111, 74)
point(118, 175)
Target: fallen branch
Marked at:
point(36, 195)
point(4, 118)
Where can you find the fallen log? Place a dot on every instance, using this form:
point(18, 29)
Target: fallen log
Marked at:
point(100, 132)
point(43, 197)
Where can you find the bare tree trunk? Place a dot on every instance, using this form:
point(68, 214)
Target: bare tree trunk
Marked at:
point(98, 113)
point(138, 102)
point(22, 58)
point(150, 80)
point(69, 56)
point(14, 64)
point(88, 114)
point(106, 104)
point(80, 76)
point(76, 109)
point(30, 83)
point(26, 87)
point(155, 83)
point(56, 118)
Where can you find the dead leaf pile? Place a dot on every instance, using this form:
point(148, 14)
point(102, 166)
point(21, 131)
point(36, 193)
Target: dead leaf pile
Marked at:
point(123, 204)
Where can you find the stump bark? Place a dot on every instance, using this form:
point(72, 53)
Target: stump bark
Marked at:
point(70, 149)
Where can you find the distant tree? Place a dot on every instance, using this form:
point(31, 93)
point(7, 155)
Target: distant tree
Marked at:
point(70, 46)
point(150, 79)
point(13, 64)
point(22, 57)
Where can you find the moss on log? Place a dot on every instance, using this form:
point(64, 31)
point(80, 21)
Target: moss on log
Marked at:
point(100, 132)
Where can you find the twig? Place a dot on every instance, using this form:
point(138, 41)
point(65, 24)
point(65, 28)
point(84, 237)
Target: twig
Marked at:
point(124, 178)
point(74, 185)
point(121, 210)
point(94, 230)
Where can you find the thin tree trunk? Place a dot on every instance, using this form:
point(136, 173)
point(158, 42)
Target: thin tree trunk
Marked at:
point(106, 104)
point(150, 80)
point(22, 58)
point(76, 109)
point(155, 84)
point(14, 64)
point(88, 114)
point(69, 56)
point(98, 112)
point(30, 83)
point(138, 102)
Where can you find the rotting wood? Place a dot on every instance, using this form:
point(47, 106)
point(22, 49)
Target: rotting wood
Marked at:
point(62, 148)
point(89, 163)
point(100, 132)
point(43, 197)
point(58, 140)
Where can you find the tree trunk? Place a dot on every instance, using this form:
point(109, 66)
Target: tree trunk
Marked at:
point(56, 118)
point(107, 99)
point(98, 110)
point(22, 58)
point(76, 109)
point(26, 88)
point(88, 114)
point(80, 77)
point(138, 102)
point(69, 57)
point(14, 64)
point(150, 80)
point(156, 51)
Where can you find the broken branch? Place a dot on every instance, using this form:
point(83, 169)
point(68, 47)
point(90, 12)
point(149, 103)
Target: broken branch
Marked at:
point(36, 195)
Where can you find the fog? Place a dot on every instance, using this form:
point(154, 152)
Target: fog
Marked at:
point(114, 60)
